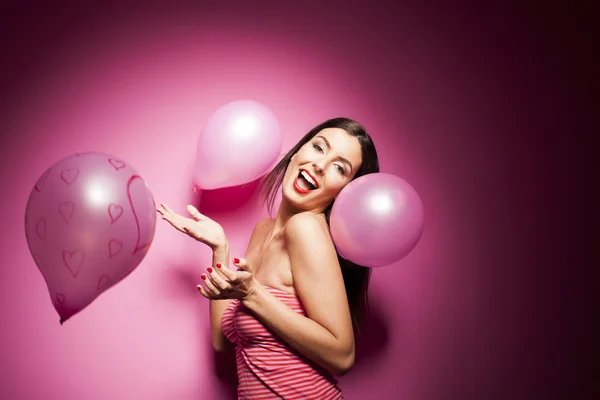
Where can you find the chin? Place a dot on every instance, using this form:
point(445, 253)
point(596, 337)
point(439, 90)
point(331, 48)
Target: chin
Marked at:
point(299, 203)
point(292, 197)
point(296, 200)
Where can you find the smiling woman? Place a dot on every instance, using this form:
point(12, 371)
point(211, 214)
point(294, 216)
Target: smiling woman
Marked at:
point(294, 305)
point(305, 176)
point(322, 167)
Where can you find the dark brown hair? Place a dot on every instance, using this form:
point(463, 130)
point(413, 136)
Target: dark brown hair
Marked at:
point(356, 277)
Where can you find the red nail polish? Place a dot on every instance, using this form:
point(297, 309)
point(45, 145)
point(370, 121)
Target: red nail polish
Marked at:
point(236, 260)
point(219, 265)
point(209, 269)
point(203, 277)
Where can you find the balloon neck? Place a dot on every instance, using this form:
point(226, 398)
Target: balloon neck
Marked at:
point(62, 321)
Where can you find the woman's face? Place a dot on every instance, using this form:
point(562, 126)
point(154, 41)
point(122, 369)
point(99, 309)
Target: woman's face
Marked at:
point(321, 169)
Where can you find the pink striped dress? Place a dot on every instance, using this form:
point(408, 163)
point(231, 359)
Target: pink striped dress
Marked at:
point(269, 368)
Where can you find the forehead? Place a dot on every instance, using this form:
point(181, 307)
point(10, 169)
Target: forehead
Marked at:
point(344, 144)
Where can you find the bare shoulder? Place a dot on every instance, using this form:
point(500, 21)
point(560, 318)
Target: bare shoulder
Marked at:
point(264, 224)
point(317, 275)
point(306, 226)
point(260, 229)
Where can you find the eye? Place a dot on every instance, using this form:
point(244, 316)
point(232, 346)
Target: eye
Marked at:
point(341, 169)
point(318, 148)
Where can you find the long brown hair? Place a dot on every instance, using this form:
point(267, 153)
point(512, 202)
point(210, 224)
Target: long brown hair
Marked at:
point(356, 277)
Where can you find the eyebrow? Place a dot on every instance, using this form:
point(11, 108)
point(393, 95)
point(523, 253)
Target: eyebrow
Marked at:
point(341, 158)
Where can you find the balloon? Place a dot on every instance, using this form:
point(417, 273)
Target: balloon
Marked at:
point(89, 222)
point(376, 220)
point(238, 144)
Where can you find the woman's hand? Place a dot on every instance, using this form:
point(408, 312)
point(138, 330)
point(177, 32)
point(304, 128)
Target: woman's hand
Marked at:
point(199, 227)
point(223, 283)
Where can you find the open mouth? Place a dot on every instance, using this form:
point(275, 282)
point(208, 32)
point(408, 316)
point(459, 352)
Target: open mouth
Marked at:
point(304, 183)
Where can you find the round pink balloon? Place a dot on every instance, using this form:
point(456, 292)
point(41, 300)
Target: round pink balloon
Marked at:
point(239, 143)
point(376, 220)
point(89, 222)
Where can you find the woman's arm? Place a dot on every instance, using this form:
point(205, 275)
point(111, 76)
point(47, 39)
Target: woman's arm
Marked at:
point(218, 307)
point(326, 336)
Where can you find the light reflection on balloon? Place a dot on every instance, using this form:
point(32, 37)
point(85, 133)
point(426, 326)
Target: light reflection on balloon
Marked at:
point(96, 193)
point(381, 203)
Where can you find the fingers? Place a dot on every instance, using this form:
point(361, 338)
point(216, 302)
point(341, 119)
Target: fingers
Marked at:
point(161, 209)
point(166, 212)
point(221, 281)
point(167, 208)
point(227, 273)
point(243, 264)
point(217, 280)
point(217, 283)
point(194, 213)
point(206, 294)
point(213, 289)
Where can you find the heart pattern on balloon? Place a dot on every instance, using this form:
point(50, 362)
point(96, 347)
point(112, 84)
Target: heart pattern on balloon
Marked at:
point(114, 247)
point(117, 164)
point(114, 211)
point(73, 261)
point(69, 175)
point(66, 209)
point(40, 228)
point(40, 183)
point(103, 283)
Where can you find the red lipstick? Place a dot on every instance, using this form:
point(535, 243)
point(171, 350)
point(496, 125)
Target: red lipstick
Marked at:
point(298, 188)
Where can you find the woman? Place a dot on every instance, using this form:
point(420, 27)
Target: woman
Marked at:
point(293, 306)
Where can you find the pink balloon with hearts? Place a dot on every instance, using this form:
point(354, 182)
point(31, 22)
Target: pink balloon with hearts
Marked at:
point(89, 222)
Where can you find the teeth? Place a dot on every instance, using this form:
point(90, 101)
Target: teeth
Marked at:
point(308, 178)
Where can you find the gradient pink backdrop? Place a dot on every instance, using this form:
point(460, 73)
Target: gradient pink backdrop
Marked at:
point(460, 104)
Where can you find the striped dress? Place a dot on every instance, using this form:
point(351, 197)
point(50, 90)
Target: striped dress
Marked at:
point(269, 368)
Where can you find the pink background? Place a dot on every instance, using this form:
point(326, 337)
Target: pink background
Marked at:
point(463, 104)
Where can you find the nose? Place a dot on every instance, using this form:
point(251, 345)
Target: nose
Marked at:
point(319, 167)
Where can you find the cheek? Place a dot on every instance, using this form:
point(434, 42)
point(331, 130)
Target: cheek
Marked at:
point(335, 182)
point(302, 153)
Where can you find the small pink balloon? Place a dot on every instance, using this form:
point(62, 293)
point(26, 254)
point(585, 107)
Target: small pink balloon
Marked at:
point(376, 220)
point(238, 144)
point(89, 222)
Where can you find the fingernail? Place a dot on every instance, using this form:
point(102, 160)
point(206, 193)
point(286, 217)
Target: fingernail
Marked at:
point(236, 260)
point(219, 265)
point(203, 277)
point(209, 269)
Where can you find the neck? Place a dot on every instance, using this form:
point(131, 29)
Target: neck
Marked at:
point(284, 213)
